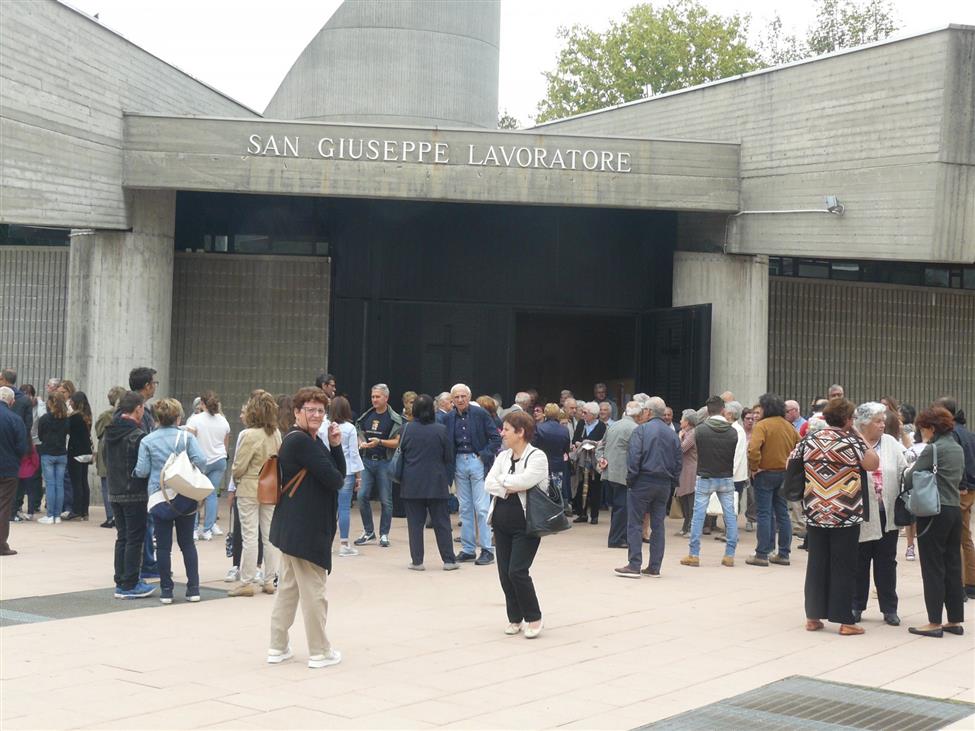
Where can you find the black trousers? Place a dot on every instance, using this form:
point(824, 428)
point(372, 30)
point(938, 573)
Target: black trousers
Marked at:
point(130, 535)
point(593, 498)
point(687, 508)
point(515, 551)
point(617, 521)
point(416, 518)
point(8, 489)
point(831, 573)
point(32, 489)
point(940, 550)
point(883, 554)
point(81, 493)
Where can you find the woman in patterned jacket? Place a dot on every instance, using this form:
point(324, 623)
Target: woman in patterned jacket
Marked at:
point(834, 459)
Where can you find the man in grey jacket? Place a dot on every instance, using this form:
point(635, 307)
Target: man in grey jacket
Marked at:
point(652, 469)
point(611, 457)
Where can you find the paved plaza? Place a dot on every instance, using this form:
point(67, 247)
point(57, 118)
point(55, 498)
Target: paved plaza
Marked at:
point(427, 649)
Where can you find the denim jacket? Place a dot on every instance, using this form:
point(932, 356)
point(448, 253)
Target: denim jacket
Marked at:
point(155, 448)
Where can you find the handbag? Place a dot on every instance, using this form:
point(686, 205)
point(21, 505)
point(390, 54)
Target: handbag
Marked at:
point(794, 484)
point(269, 482)
point(544, 510)
point(923, 499)
point(396, 461)
point(29, 464)
point(180, 475)
point(714, 504)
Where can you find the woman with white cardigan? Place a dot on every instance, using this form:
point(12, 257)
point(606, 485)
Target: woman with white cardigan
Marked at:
point(517, 469)
point(878, 536)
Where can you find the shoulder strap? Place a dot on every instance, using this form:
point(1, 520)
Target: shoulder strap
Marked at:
point(934, 446)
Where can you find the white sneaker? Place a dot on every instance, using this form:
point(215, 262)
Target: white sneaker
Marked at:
point(65, 513)
point(233, 574)
point(347, 550)
point(334, 657)
point(216, 530)
point(207, 535)
point(57, 520)
point(23, 516)
point(276, 656)
point(48, 520)
point(197, 534)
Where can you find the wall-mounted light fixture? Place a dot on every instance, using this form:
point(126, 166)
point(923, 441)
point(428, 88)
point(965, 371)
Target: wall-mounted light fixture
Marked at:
point(833, 206)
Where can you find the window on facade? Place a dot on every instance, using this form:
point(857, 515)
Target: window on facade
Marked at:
point(913, 274)
point(13, 235)
point(813, 269)
point(845, 270)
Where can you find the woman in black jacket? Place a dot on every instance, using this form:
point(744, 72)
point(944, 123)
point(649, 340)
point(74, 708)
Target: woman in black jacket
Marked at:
point(303, 528)
point(427, 458)
point(79, 455)
point(52, 431)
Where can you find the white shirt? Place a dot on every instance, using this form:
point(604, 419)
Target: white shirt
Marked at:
point(211, 433)
point(740, 472)
point(350, 447)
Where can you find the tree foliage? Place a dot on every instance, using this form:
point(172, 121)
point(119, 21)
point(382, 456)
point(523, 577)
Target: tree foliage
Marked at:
point(507, 121)
point(652, 51)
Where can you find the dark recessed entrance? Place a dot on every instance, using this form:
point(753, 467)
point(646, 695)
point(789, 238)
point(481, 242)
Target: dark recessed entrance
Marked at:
point(555, 351)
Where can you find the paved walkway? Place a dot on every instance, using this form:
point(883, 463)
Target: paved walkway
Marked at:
point(427, 649)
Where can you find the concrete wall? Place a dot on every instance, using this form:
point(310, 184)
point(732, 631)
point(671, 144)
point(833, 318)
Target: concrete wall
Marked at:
point(120, 296)
point(246, 322)
point(427, 62)
point(912, 343)
point(219, 155)
point(64, 82)
point(737, 288)
point(33, 303)
point(888, 129)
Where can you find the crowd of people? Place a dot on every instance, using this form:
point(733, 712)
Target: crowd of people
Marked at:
point(453, 452)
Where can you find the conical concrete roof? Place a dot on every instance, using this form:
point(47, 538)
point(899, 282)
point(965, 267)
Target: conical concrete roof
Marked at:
point(399, 62)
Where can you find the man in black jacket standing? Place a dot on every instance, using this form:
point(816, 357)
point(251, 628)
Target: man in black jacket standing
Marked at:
point(14, 444)
point(128, 495)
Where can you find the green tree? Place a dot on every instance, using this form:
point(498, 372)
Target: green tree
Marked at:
point(507, 121)
point(652, 51)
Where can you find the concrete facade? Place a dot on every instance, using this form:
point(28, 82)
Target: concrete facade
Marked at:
point(445, 56)
point(258, 156)
point(888, 129)
point(737, 288)
point(120, 298)
point(65, 80)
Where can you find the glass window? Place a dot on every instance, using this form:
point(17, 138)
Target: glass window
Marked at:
point(848, 270)
point(14, 235)
point(813, 269)
point(935, 277)
point(968, 278)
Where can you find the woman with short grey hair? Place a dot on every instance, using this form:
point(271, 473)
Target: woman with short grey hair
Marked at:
point(878, 535)
point(688, 471)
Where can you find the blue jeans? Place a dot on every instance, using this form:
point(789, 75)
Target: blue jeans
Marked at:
point(642, 498)
point(474, 503)
point(376, 476)
point(149, 565)
point(214, 472)
point(725, 487)
point(345, 506)
point(164, 542)
point(773, 513)
point(54, 468)
point(105, 501)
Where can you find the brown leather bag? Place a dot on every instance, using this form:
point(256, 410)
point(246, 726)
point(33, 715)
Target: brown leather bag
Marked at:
point(269, 488)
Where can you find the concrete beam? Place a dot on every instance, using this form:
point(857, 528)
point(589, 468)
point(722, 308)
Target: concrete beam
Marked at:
point(259, 156)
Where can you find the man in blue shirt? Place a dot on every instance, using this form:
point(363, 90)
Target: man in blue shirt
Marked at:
point(652, 469)
point(476, 443)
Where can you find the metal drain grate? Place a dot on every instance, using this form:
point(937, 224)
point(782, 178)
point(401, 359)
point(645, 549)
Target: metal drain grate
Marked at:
point(805, 703)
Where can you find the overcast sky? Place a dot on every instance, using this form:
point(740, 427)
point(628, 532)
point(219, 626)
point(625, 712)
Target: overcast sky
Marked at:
point(245, 47)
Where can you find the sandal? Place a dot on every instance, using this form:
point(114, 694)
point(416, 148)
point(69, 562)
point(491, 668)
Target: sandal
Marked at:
point(848, 630)
point(812, 625)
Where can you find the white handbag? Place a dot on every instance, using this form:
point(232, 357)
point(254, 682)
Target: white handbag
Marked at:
point(714, 504)
point(182, 476)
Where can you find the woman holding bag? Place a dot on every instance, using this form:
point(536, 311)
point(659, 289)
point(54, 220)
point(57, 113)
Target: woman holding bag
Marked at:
point(518, 468)
point(168, 508)
point(259, 441)
point(939, 537)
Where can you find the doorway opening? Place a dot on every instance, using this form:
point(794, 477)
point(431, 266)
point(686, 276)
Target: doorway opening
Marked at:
point(574, 351)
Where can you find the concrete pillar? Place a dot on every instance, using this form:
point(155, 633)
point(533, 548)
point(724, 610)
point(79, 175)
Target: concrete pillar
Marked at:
point(120, 299)
point(738, 289)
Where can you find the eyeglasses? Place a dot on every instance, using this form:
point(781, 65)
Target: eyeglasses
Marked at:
point(155, 383)
point(313, 412)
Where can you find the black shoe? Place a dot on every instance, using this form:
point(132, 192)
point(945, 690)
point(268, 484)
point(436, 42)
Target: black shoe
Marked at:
point(892, 619)
point(926, 632)
point(108, 524)
point(72, 516)
point(619, 545)
point(955, 629)
point(462, 557)
point(485, 559)
point(803, 546)
point(970, 591)
point(594, 521)
point(857, 614)
point(581, 519)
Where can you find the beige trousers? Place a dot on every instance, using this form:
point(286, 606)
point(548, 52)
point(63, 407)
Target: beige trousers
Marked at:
point(254, 517)
point(304, 581)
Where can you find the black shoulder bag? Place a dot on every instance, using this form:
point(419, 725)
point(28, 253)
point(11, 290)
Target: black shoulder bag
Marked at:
point(544, 510)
